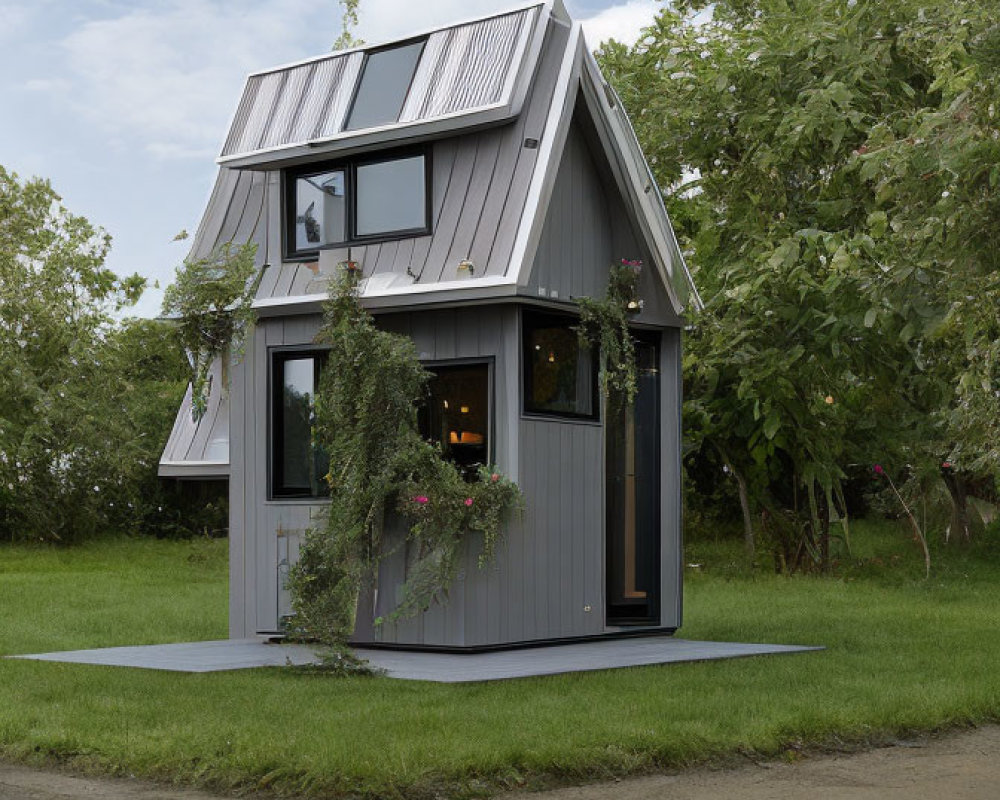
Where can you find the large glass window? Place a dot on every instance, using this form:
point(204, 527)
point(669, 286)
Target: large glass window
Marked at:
point(298, 465)
point(456, 414)
point(391, 196)
point(383, 86)
point(356, 201)
point(560, 375)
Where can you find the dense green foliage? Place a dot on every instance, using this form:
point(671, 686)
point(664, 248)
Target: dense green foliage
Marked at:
point(87, 402)
point(604, 324)
point(212, 297)
point(382, 473)
point(903, 655)
point(832, 168)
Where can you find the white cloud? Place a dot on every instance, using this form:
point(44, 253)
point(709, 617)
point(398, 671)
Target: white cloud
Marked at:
point(382, 20)
point(16, 18)
point(171, 74)
point(621, 22)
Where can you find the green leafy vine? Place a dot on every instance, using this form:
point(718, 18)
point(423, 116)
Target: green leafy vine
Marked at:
point(383, 475)
point(605, 324)
point(212, 297)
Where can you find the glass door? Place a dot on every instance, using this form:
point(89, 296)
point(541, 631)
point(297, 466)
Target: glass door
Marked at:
point(633, 497)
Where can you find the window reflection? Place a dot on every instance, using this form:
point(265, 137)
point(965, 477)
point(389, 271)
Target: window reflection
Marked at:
point(391, 196)
point(383, 86)
point(456, 415)
point(560, 376)
point(299, 465)
point(321, 210)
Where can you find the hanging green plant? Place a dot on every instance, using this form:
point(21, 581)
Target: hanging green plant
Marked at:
point(381, 468)
point(212, 296)
point(605, 324)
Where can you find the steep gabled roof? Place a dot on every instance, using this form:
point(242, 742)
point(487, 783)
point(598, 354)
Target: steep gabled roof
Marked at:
point(492, 188)
point(470, 74)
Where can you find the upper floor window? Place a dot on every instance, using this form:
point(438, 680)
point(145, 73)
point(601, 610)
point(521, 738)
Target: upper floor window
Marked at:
point(560, 375)
point(356, 201)
point(385, 81)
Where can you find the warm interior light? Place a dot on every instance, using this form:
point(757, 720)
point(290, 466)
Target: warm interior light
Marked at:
point(465, 409)
point(453, 437)
point(445, 403)
point(538, 347)
point(552, 358)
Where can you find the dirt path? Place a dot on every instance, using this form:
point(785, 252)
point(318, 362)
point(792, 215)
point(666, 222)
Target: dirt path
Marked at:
point(963, 766)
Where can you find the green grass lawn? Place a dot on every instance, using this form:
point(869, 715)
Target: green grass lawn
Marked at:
point(904, 654)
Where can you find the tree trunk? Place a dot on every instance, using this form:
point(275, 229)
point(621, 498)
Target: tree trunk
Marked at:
point(959, 505)
point(741, 486)
point(748, 538)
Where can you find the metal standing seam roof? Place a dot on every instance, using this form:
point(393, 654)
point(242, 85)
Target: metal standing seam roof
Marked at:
point(463, 69)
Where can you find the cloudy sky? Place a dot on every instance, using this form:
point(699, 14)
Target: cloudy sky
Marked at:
point(123, 104)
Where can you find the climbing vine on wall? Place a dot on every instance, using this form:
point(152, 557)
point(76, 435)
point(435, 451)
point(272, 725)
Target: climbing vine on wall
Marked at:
point(383, 475)
point(605, 324)
point(213, 296)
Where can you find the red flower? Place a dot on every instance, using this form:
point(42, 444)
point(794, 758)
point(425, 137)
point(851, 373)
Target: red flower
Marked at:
point(494, 477)
point(946, 465)
point(421, 499)
point(468, 501)
point(878, 469)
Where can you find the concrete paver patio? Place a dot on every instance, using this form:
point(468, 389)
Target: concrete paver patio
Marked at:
point(424, 666)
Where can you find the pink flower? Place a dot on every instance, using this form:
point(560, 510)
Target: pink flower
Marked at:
point(421, 499)
point(494, 477)
point(946, 465)
point(878, 469)
point(468, 501)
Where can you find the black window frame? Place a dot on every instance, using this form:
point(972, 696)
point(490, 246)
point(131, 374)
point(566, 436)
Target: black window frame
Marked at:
point(350, 168)
point(275, 428)
point(545, 318)
point(475, 361)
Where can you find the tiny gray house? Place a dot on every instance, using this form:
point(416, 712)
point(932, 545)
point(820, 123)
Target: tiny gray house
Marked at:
point(482, 176)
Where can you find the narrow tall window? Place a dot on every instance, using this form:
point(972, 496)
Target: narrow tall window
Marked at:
point(298, 466)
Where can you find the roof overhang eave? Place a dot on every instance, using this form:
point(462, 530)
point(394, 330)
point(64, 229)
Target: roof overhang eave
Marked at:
point(398, 298)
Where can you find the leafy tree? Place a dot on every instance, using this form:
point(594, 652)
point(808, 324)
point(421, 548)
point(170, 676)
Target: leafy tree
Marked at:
point(87, 402)
point(212, 298)
point(831, 168)
point(382, 472)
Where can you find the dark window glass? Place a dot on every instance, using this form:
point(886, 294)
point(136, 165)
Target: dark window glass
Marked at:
point(382, 88)
point(299, 466)
point(320, 210)
point(391, 196)
point(356, 201)
point(560, 376)
point(456, 414)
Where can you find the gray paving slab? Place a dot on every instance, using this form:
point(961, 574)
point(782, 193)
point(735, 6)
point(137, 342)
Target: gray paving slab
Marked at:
point(575, 657)
point(224, 654)
point(230, 654)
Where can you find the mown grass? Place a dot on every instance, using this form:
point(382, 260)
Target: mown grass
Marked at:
point(903, 655)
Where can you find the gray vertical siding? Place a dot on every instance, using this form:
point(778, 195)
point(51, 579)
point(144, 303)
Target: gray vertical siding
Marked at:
point(262, 532)
point(586, 230)
point(488, 332)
